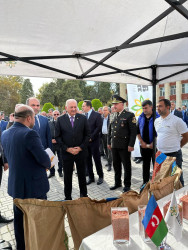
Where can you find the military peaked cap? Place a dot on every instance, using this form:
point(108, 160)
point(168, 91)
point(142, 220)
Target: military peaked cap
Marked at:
point(117, 99)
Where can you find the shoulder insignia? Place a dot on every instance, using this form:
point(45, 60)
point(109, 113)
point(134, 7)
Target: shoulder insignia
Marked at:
point(134, 120)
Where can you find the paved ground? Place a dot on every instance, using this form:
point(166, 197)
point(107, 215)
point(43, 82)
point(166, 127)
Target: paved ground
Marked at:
point(56, 194)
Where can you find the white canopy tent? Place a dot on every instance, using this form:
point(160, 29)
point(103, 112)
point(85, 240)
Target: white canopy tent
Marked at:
point(123, 41)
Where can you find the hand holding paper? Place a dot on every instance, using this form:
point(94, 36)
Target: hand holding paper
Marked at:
point(53, 158)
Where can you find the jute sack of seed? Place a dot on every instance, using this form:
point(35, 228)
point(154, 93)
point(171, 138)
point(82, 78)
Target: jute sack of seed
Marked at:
point(163, 187)
point(87, 216)
point(164, 169)
point(132, 199)
point(43, 224)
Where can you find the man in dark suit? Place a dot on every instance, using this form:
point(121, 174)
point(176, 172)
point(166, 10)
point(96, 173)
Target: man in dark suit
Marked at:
point(56, 146)
point(174, 111)
point(105, 125)
point(3, 124)
point(95, 125)
point(72, 133)
point(3, 166)
point(27, 162)
point(41, 123)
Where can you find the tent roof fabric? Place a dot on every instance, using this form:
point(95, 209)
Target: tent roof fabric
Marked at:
point(115, 29)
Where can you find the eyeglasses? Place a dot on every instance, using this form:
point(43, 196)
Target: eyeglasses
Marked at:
point(56, 114)
point(33, 105)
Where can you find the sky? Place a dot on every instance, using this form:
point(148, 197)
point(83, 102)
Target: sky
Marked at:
point(38, 82)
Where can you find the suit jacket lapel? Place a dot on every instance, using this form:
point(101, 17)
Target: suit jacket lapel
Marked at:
point(67, 120)
point(91, 115)
point(76, 121)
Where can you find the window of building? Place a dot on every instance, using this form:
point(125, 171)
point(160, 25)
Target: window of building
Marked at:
point(185, 88)
point(185, 102)
point(173, 90)
point(162, 91)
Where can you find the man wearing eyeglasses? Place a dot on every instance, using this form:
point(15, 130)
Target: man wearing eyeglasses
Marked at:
point(41, 123)
point(55, 145)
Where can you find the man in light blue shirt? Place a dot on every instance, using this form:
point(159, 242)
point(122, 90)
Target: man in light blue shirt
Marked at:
point(106, 120)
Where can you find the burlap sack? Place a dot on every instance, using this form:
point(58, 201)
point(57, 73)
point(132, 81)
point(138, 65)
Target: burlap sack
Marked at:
point(177, 183)
point(132, 199)
point(86, 216)
point(163, 170)
point(163, 187)
point(43, 224)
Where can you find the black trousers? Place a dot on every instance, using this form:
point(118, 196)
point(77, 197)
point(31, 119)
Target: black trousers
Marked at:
point(1, 173)
point(18, 226)
point(93, 151)
point(68, 171)
point(108, 152)
point(147, 156)
point(122, 156)
point(57, 150)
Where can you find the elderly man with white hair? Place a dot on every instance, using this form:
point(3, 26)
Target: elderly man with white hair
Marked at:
point(72, 133)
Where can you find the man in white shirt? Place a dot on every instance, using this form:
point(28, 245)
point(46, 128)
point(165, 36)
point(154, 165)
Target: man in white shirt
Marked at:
point(172, 133)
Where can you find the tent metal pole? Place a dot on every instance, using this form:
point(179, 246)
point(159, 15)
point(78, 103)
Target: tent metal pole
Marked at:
point(154, 82)
point(41, 58)
point(15, 58)
point(172, 65)
point(177, 73)
point(132, 38)
point(177, 5)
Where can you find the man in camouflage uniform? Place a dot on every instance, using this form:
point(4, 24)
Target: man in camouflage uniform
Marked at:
point(121, 139)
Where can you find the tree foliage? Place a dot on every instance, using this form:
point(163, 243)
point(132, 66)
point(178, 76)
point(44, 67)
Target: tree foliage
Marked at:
point(26, 91)
point(80, 105)
point(47, 106)
point(58, 91)
point(96, 104)
point(71, 90)
point(10, 87)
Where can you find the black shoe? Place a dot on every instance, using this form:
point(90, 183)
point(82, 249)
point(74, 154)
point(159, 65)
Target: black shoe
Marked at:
point(5, 220)
point(51, 175)
point(115, 187)
point(100, 181)
point(126, 189)
point(138, 161)
point(5, 245)
point(90, 181)
point(81, 195)
point(109, 168)
point(60, 174)
point(68, 198)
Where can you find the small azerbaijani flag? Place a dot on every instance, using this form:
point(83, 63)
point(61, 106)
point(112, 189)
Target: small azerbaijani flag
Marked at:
point(154, 223)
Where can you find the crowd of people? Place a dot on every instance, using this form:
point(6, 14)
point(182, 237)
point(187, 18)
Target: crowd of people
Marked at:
point(79, 137)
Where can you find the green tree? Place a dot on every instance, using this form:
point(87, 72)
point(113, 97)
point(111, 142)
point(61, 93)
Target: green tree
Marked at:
point(10, 87)
point(49, 94)
point(41, 89)
point(70, 90)
point(104, 92)
point(26, 91)
point(47, 106)
point(80, 105)
point(115, 88)
point(96, 104)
